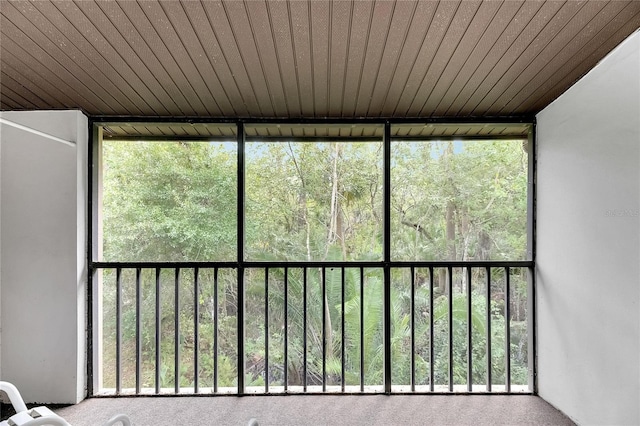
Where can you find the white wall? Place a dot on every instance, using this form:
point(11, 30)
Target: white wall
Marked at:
point(588, 244)
point(42, 255)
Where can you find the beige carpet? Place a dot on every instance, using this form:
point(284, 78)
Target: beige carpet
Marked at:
point(320, 410)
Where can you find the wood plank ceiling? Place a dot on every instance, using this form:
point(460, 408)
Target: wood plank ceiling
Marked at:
point(297, 59)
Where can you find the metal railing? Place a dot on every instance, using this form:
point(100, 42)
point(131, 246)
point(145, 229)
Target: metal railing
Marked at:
point(313, 327)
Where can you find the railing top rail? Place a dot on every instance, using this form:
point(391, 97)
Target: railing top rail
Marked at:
point(320, 264)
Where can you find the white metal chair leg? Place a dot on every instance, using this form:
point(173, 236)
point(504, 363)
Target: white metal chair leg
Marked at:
point(120, 418)
point(14, 396)
point(41, 416)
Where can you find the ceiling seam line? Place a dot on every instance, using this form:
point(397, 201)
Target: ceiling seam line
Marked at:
point(435, 84)
point(482, 61)
point(538, 54)
point(415, 58)
point(135, 52)
point(398, 56)
point(92, 62)
point(424, 76)
point(386, 41)
point(484, 32)
point(565, 46)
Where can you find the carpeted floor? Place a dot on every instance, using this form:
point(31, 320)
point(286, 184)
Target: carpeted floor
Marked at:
point(320, 410)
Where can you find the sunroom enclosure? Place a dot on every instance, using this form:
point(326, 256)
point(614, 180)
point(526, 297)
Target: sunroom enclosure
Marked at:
point(309, 257)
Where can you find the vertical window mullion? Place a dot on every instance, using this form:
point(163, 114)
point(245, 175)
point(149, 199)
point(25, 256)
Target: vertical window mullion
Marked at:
point(240, 257)
point(387, 258)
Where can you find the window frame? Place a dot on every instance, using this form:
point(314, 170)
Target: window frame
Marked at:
point(98, 123)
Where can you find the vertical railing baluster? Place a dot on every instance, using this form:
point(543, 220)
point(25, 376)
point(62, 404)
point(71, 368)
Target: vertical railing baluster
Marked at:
point(286, 328)
point(488, 313)
point(431, 357)
point(361, 329)
point(196, 326)
point(413, 329)
point(158, 330)
point(266, 330)
point(118, 330)
point(469, 333)
point(450, 317)
point(324, 329)
point(138, 331)
point(304, 329)
point(215, 330)
point(176, 325)
point(507, 326)
point(342, 349)
point(531, 330)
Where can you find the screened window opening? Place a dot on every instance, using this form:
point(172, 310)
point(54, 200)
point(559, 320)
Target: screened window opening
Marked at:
point(312, 258)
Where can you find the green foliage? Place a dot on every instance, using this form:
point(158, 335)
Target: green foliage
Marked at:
point(169, 201)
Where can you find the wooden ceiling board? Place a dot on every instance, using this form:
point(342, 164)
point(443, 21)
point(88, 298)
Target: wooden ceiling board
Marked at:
point(436, 33)
point(214, 55)
point(161, 33)
point(244, 38)
point(487, 45)
point(34, 52)
point(501, 50)
point(320, 17)
point(541, 48)
point(230, 55)
point(587, 64)
point(17, 75)
point(377, 40)
point(299, 17)
point(390, 62)
point(359, 38)
point(540, 91)
point(120, 44)
point(302, 58)
point(262, 30)
point(18, 45)
point(448, 46)
point(280, 18)
point(520, 34)
point(8, 99)
point(62, 40)
point(414, 41)
point(23, 94)
point(473, 38)
point(341, 15)
point(191, 53)
point(577, 32)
